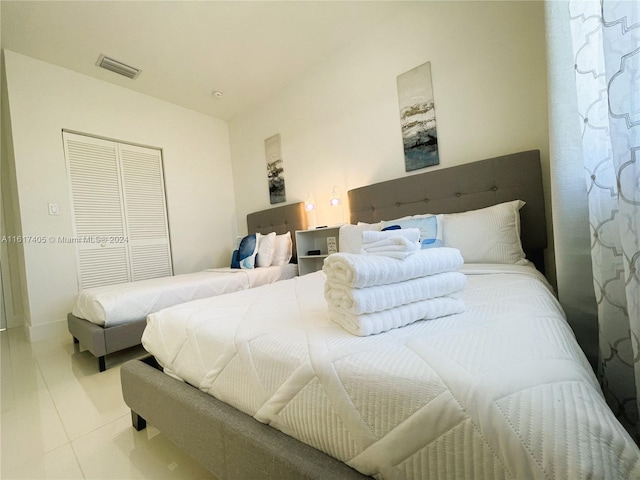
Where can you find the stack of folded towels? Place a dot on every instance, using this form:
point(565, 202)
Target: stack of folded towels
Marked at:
point(392, 283)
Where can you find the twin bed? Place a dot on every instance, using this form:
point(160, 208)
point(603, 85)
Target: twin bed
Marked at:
point(261, 384)
point(108, 319)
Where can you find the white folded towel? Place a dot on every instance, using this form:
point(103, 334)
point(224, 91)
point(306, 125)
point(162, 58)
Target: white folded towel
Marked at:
point(378, 322)
point(392, 243)
point(356, 301)
point(359, 271)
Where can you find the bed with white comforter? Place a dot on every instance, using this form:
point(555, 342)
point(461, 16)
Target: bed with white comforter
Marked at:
point(112, 305)
point(499, 391)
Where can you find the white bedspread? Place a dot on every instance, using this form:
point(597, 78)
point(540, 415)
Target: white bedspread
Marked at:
point(499, 391)
point(116, 304)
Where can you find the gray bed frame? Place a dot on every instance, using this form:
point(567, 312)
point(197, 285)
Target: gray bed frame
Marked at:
point(231, 444)
point(102, 341)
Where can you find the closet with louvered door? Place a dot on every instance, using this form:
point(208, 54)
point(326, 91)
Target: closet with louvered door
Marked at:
point(119, 211)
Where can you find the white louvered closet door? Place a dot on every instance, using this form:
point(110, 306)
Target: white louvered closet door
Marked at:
point(118, 200)
point(98, 210)
point(146, 213)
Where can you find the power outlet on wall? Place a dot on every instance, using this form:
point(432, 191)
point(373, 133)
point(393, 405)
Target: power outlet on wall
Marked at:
point(332, 246)
point(54, 209)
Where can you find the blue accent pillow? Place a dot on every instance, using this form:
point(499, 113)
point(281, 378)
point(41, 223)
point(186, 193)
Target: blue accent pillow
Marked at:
point(430, 231)
point(234, 259)
point(245, 255)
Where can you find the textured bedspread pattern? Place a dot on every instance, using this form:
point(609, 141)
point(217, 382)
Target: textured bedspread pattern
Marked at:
point(383, 306)
point(499, 391)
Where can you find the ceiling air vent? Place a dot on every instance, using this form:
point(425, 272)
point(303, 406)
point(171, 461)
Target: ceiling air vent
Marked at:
point(117, 67)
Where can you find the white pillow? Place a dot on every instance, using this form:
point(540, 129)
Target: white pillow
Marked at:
point(350, 236)
point(487, 235)
point(283, 249)
point(266, 249)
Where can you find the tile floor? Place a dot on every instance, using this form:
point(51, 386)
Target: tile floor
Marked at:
point(63, 419)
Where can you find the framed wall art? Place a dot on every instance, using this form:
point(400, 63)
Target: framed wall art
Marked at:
point(275, 169)
point(418, 118)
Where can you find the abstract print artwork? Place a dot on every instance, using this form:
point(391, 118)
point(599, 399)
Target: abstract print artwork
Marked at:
point(275, 169)
point(418, 118)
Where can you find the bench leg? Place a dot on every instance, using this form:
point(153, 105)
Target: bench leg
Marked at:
point(102, 363)
point(137, 421)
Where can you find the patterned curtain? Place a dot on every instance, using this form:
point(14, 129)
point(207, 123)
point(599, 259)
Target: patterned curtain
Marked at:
point(606, 47)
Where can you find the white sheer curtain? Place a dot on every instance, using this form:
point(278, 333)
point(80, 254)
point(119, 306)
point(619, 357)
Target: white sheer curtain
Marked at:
point(606, 48)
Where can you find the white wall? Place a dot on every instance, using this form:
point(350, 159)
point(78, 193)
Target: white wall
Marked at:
point(340, 123)
point(43, 100)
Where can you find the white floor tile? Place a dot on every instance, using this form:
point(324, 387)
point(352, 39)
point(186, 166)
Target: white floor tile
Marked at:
point(30, 423)
point(60, 463)
point(62, 418)
point(118, 451)
point(85, 398)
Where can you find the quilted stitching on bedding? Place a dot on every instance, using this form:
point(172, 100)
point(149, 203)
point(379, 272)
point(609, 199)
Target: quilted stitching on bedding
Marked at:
point(500, 391)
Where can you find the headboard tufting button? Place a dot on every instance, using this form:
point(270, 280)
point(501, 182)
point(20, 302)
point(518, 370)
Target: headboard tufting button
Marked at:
point(495, 189)
point(398, 204)
point(458, 194)
point(426, 200)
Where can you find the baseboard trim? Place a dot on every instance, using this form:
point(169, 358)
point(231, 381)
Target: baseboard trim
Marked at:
point(46, 331)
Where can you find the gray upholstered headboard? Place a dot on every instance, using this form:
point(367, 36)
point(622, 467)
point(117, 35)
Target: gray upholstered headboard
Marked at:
point(287, 218)
point(464, 187)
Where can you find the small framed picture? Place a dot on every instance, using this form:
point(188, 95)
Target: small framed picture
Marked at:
point(332, 246)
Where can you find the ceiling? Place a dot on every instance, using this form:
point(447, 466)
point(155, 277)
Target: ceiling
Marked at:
point(249, 50)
